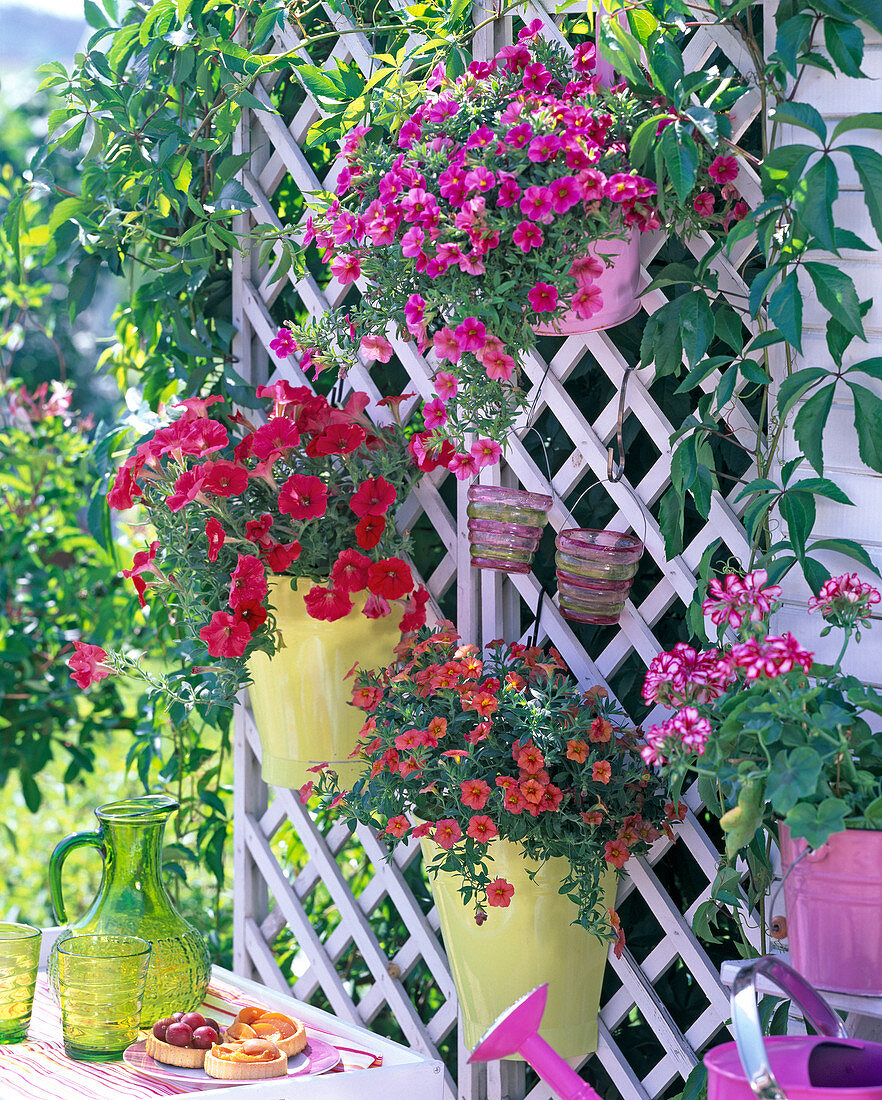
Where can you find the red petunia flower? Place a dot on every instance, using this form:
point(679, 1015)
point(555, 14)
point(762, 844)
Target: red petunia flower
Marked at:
point(187, 487)
point(326, 603)
point(224, 479)
point(376, 607)
point(248, 581)
point(303, 497)
point(350, 571)
point(390, 578)
point(278, 435)
point(337, 439)
point(226, 635)
point(216, 535)
point(374, 497)
point(254, 615)
point(369, 531)
point(279, 555)
point(86, 664)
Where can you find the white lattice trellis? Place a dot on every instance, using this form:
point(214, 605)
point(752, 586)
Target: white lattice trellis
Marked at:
point(272, 893)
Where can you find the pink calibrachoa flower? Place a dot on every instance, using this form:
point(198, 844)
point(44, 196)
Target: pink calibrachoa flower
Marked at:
point(543, 298)
point(471, 335)
point(703, 204)
point(499, 893)
point(723, 169)
point(735, 598)
point(474, 793)
point(447, 833)
point(770, 657)
point(462, 466)
point(587, 269)
point(496, 362)
point(527, 236)
point(375, 348)
point(86, 664)
point(587, 301)
point(434, 414)
point(584, 57)
point(845, 599)
point(397, 826)
point(446, 345)
point(486, 452)
point(346, 268)
point(601, 771)
point(446, 385)
point(536, 204)
point(564, 194)
point(284, 343)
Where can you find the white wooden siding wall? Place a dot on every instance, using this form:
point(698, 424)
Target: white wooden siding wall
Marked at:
point(837, 98)
point(268, 897)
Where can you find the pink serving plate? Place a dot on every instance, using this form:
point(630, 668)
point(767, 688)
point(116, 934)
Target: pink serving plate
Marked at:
point(318, 1057)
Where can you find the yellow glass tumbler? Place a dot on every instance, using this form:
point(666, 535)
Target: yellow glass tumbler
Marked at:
point(19, 957)
point(101, 986)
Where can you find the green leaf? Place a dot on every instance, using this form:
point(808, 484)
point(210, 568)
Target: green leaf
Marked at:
point(798, 512)
point(700, 371)
point(696, 325)
point(848, 547)
point(760, 285)
point(705, 122)
point(868, 424)
point(660, 343)
point(786, 162)
point(845, 44)
point(816, 574)
point(665, 62)
point(808, 427)
point(863, 121)
point(813, 198)
point(234, 196)
point(796, 384)
point(802, 115)
point(868, 165)
point(837, 295)
point(872, 367)
point(793, 775)
point(816, 824)
point(822, 487)
point(643, 141)
point(680, 159)
point(791, 37)
point(670, 521)
point(785, 310)
point(728, 327)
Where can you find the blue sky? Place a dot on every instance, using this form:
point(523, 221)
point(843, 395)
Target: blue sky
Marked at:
point(72, 9)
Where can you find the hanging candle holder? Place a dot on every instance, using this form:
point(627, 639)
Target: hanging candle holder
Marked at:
point(595, 570)
point(505, 526)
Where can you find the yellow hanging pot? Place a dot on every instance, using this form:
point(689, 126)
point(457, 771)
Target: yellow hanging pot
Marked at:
point(531, 941)
point(300, 699)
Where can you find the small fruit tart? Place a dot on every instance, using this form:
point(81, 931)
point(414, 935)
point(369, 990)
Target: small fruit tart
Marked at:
point(253, 1060)
point(182, 1039)
point(256, 1023)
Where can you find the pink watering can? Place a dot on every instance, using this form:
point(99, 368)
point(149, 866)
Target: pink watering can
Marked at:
point(828, 1066)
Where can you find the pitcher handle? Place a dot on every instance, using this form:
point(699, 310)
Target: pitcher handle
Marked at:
point(56, 863)
point(745, 1017)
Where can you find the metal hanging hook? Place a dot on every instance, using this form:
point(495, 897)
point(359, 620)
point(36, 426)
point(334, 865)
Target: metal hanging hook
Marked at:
point(615, 471)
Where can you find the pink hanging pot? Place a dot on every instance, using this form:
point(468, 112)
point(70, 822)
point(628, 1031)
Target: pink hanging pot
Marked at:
point(827, 1066)
point(505, 526)
point(833, 897)
point(595, 570)
point(617, 287)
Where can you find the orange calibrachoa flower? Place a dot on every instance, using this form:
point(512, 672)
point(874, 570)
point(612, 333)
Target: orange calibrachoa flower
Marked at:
point(500, 892)
point(578, 751)
point(501, 745)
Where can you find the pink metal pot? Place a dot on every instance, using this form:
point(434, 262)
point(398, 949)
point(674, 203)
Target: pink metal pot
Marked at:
point(834, 897)
point(618, 289)
point(827, 1066)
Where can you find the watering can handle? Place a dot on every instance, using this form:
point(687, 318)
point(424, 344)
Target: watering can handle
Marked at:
point(745, 1017)
point(56, 862)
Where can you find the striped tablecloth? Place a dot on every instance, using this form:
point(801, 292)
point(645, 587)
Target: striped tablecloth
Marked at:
point(38, 1069)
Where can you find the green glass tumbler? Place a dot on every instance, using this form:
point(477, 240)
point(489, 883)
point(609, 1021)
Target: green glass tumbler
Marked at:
point(19, 958)
point(101, 985)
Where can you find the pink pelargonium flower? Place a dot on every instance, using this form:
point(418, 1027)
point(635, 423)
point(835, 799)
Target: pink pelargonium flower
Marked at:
point(462, 466)
point(686, 730)
point(434, 414)
point(446, 385)
point(845, 599)
point(735, 598)
point(486, 452)
point(770, 657)
point(446, 345)
point(684, 675)
point(723, 169)
point(543, 298)
point(375, 348)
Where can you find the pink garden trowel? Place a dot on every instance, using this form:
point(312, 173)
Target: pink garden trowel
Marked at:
point(516, 1031)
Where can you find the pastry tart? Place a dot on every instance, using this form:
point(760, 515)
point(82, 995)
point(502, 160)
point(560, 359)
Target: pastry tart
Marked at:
point(187, 1057)
point(253, 1060)
point(255, 1023)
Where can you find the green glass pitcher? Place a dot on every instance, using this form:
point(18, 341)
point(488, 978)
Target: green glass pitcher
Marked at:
point(132, 901)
